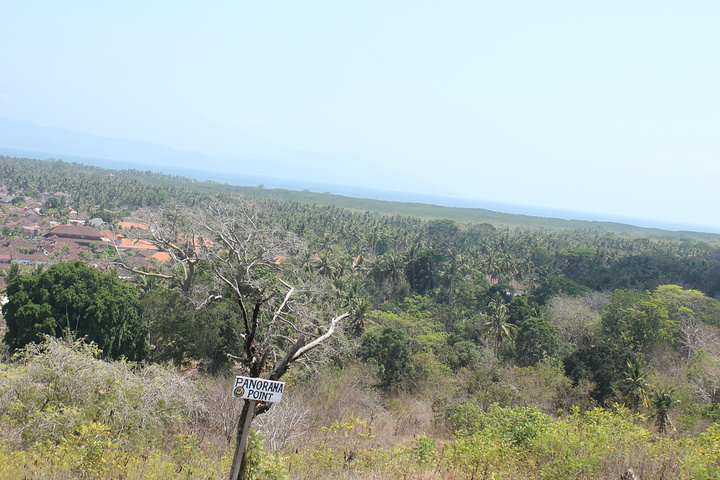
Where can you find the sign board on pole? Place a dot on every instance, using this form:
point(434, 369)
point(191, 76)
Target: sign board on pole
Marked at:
point(258, 389)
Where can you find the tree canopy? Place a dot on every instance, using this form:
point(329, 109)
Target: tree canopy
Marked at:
point(81, 300)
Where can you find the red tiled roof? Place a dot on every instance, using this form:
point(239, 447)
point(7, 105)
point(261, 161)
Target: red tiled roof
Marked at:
point(160, 257)
point(139, 243)
point(126, 225)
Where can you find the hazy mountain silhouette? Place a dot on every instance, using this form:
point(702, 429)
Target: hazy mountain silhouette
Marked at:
point(338, 169)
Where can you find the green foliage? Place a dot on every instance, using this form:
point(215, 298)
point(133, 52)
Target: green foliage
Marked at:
point(519, 309)
point(689, 305)
point(261, 465)
point(79, 299)
point(87, 449)
point(92, 186)
point(496, 326)
point(425, 333)
point(464, 353)
point(492, 441)
point(478, 456)
point(425, 450)
point(489, 387)
point(585, 441)
point(465, 417)
point(524, 443)
point(390, 349)
point(639, 321)
point(442, 229)
point(705, 463)
point(543, 386)
point(536, 339)
point(635, 385)
point(663, 401)
point(515, 427)
point(578, 261)
point(183, 335)
point(602, 364)
point(424, 271)
point(554, 285)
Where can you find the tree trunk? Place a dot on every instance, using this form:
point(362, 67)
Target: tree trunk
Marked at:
point(239, 464)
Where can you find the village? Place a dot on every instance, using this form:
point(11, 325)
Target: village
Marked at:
point(46, 230)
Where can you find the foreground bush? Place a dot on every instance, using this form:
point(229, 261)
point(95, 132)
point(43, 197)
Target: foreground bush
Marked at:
point(66, 414)
point(523, 442)
point(55, 388)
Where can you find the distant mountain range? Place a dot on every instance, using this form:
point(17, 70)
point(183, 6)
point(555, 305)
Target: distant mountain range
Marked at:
point(301, 167)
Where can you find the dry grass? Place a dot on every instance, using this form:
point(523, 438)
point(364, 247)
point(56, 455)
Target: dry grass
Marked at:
point(336, 425)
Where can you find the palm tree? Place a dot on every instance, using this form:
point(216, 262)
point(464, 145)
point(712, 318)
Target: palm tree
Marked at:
point(411, 266)
point(451, 275)
point(492, 265)
point(392, 267)
point(148, 282)
point(326, 264)
point(13, 271)
point(429, 276)
point(635, 385)
point(497, 326)
point(307, 261)
point(663, 401)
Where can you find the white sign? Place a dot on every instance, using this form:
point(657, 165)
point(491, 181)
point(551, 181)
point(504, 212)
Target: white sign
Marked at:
point(258, 389)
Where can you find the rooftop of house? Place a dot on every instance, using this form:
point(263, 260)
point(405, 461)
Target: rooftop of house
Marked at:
point(136, 243)
point(75, 231)
point(160, 257)
point(129, 225)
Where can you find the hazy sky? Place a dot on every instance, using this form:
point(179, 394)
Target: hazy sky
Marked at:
point(610, 107)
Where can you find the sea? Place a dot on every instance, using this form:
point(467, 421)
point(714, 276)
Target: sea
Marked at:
point(355, 191)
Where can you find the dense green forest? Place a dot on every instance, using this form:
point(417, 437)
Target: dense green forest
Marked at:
point(477, 345)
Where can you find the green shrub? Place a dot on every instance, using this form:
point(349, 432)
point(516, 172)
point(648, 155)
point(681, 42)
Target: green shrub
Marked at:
point(515, 427)
point(390, 349)
point(424, 451)
point(263, 466)
point(704, 463)
point(53, 388)
point(78, 298)
point(584, 441)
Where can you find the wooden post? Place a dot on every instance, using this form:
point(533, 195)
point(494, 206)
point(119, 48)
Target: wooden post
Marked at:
point(240, 458)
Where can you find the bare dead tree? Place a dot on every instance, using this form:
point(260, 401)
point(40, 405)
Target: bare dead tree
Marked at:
point(175, 231)
point(221, 410)
point(577, 319)
point(283, 423)
point(279, 325)
point(282, 319)
point(695, 336)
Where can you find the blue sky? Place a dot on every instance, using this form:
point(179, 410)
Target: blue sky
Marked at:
point(604, 107)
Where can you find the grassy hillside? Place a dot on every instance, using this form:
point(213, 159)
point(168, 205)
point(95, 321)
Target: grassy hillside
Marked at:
point(470, 215)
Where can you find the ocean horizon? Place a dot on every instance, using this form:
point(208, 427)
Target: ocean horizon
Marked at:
point(356, 191)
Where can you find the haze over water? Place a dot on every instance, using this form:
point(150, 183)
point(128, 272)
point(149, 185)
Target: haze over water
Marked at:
point(240, 179)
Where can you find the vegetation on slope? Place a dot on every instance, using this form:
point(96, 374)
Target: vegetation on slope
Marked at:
point(473, 349)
